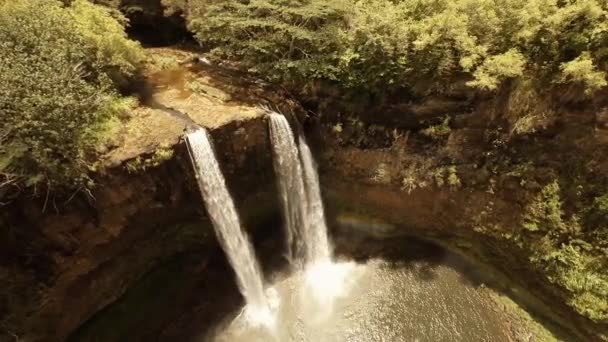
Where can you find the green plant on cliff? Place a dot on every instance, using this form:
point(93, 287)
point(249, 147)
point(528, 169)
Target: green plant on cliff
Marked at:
point(565, 255)
point(578, 268)
point(160, 155)
point(582, 70)
point(61, 66)
point(600, 203)
point(545, 211)
point(527, 110)
point(496, 68)
point(438, 131)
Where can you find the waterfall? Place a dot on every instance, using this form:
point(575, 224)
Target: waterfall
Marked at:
point(300, 196)
point(225, 220)
point(291, 185)
point(318, 249)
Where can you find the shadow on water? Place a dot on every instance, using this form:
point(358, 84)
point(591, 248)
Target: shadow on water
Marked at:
point(184, 298)
point(186, 285)
point(410, 253)
point(424, 258)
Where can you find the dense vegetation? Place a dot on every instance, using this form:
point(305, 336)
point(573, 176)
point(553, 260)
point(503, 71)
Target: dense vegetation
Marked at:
point(417, 45)
point(382, 47)
point(62, 64)
point(569, 250)
point(60, 70)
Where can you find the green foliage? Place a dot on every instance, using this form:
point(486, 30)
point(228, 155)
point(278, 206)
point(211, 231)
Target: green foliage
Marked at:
point(438, 131)
point(527, 110)
point(57, 79)
point(544, 213)
point(582, 70)
point(164, 62)
point(106, 133)
point(173, 6)
point(601, 204)
point(286, 40)
point(496, 68)
point(580, 271)
point(420, 175)
point(453, 179)
point(160, 155)
point(596, 219)
point(106, 46)
point(418, 45)
point(564, 254)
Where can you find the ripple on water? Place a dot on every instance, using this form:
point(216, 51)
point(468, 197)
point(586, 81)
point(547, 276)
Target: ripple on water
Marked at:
point(378, 301)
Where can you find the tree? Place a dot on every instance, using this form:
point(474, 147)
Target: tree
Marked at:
point(385, 45)
point(284, 40)
point(58, 74)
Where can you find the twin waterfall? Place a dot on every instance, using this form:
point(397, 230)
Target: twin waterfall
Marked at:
point(307, 242)
point(225, 219)
point(300, 195)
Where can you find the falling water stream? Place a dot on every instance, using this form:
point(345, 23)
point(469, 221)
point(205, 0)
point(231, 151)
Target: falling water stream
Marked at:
point(300, 195)
point(318, 249)
point(291, 185)
point(226, 223)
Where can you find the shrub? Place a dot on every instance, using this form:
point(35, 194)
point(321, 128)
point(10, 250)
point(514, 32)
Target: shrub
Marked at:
point(582, 70)
point(565, 255)
point(285, 40)
point(60, 67)
point(496, 68)
point(160, 155)
point(437, 131)
point(579, 271)
point(106, 45)
point(545, 213)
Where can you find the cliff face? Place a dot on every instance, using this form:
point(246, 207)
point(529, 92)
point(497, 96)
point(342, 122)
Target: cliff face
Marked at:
point(67, 256)
point(520, 203)
point(66, 265)
point(464, 183)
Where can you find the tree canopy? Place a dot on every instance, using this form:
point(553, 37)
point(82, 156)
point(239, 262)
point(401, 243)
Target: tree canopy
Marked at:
point(385, 44)
point(59, 71)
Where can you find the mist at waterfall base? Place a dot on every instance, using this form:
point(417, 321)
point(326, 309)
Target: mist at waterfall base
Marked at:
point(308, 250)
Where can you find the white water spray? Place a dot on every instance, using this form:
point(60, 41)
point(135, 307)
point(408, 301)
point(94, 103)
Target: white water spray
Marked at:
point(227, 226)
